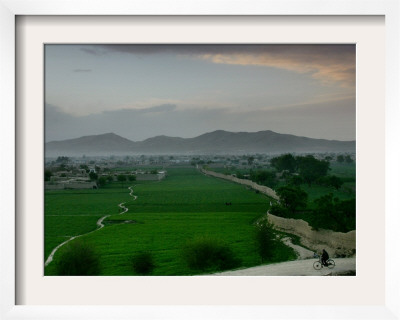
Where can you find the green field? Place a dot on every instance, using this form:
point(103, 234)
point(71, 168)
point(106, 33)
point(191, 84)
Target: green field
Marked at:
point(164, 217)
point(73, 212)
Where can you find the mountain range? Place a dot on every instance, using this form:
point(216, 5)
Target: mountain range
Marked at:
point(216, 142)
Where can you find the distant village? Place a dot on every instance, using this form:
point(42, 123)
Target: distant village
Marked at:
point(94, 172)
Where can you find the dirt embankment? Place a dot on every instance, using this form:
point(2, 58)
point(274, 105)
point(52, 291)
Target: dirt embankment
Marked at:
point(263, 189)
point(336, 243)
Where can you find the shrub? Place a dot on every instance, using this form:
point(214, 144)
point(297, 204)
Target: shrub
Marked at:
point(333, 214)
point(102, 181)
point(47, 175)
point(292, 198)
point(143, 263)
point(207, 254)
point(280, 211)
point(78, 259)
point(265, 240)
point(93, 176)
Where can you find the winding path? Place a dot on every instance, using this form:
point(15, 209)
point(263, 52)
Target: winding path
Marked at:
point(99, 224)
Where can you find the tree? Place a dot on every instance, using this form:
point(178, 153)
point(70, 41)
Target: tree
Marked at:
point(331, 181)
point(102, 181)
point(296, 180)
point(62, 159)
point(78, 259)
point(265, 240)
point(47, 175)
point(132, 178)
point(93, 176)
point(278, 210)
point(340, 158)
point(143, 263)
point(284, 162)
point(346, 210)
point(250, 160)
point(239, 175)
point(348, 159)
point(324, 212)
point(264, 177)
point(292, 198)
point(333, 214)
point(311, 169)
point(84, 166)
point(121, 178)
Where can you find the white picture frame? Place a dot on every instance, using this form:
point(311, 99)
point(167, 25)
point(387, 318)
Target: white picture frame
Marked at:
point(10, 9)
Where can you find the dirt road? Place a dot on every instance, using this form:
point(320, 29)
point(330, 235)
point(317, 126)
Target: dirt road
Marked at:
point(295, 268)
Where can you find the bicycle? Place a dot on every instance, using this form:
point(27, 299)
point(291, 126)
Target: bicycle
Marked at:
point(330, 263)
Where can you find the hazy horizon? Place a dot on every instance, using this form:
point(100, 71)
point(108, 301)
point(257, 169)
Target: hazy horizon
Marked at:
point(105, 133)
point(142, 91)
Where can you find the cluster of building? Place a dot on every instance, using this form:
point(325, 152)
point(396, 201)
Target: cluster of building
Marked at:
point(69, 173)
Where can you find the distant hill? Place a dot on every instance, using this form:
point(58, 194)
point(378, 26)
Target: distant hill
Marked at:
point(219, 142)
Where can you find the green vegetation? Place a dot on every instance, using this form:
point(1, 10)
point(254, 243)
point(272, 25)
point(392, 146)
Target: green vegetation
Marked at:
point(166, 216)
point(78, 259)
point(47, 175)
point(307, 191)
point(284, 162)
point(207, 254)
point(266, 241)
point(73, 212)
point(292, 199)
point(264, 177)
point(143, 263)
point(331, 198)
point(182, 224)
point(339, 215)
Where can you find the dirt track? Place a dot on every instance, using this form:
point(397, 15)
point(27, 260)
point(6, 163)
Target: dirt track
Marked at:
point(295, 268)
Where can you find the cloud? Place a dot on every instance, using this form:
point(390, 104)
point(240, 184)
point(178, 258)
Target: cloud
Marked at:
point(160, 108)
point(94, 50)
point(154, 109)
point(326, 63)
point(322, 64)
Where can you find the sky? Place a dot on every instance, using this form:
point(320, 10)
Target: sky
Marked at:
point(141, 91)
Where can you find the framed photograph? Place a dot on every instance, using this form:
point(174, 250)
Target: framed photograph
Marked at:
point(59, 59)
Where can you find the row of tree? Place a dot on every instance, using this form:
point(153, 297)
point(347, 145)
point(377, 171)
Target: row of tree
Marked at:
point(307, 167)
point(102, 181)
point(327, 212)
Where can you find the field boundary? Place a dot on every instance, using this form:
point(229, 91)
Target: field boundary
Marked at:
point(263, 189)
point(336, 243)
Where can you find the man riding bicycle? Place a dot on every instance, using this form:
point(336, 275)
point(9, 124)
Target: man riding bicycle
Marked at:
point(324, 257)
